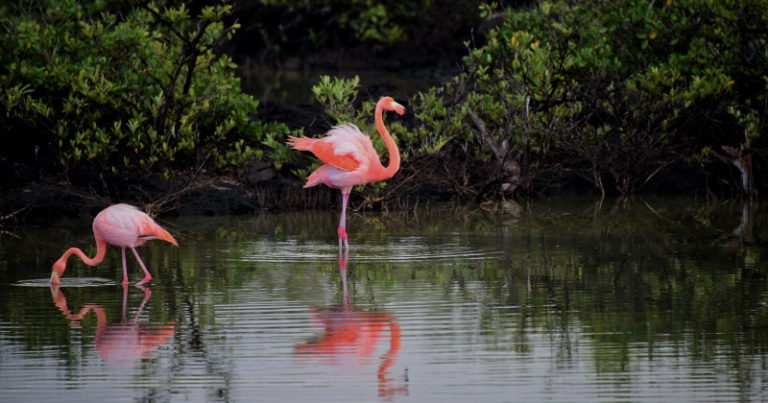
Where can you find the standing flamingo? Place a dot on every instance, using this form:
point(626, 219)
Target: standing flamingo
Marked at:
point(121, 225)
point(350, 158)
point(352, 335)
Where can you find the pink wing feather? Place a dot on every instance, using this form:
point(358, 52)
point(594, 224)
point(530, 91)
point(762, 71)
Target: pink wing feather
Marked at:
point(123, 224)
point(344, 147)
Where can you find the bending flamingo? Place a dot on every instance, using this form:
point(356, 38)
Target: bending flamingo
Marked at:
point(124, 341)
point(121, 225)
point(350, 158)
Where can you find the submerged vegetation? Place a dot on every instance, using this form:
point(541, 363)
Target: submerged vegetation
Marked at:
point(613, 92)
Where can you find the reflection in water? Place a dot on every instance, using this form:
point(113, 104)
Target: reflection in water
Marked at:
point(124, 341)
point(743, 233)
point(350, 336)
point(633, 300)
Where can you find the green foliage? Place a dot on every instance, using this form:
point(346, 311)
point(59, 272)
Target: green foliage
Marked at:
point(612, 83)
point(337, 97)
point(609, 87)
point(750, 121)
point(303, 174)
point(281, 152)
point(372, 192)
point(436, 123)
point(142, 89)
point(239, 156)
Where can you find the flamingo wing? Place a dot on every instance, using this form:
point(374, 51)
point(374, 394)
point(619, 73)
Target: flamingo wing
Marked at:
point(326, 153)
point(115, 234)
point(123, 224)
point(344, 147)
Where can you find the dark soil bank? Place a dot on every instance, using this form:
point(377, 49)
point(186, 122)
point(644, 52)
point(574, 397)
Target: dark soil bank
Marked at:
point(34, 190)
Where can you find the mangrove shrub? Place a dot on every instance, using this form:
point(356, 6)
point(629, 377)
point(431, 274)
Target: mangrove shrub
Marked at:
point(140, 88)
point(614, 86)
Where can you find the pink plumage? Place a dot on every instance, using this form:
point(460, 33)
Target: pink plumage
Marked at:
point(350, 158)
point(121, 225)
point(125, 341)
point(126, 226)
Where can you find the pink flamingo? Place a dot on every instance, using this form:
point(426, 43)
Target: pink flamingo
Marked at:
point(350, 158)
point(121, 225)
point(349, 333)
point(123, 341)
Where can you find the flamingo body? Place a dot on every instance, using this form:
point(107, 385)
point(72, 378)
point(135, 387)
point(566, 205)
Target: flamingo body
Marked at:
point(348, 154)
point(126, 226)
point(350, 159)
point(121, 225)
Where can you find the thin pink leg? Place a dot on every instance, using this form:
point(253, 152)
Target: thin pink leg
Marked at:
point(125, 300)
point(147, 294)
point(343, 271)
point(125, 269)
point(147, 276)
point(342, 224)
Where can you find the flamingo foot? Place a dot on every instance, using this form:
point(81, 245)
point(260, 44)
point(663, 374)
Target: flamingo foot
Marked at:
point(125, 280)
point(142, 282)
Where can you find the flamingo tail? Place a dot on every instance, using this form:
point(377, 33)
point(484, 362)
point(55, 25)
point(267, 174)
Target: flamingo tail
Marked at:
point(159, 232)
point(148, 229)
point(314, 179)
point(301, 143)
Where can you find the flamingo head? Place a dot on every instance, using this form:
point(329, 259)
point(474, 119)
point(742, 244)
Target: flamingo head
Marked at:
point(58, 270)
point(389, 104)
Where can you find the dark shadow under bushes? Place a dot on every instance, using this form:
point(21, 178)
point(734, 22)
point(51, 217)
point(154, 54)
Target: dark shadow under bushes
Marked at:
point(562, 98)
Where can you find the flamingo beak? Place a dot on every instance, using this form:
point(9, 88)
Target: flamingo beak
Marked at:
point(398, 108)
point(55, 278)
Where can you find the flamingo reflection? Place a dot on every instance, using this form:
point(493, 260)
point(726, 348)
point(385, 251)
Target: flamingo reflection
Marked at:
point(353, 336)
point(124, 341)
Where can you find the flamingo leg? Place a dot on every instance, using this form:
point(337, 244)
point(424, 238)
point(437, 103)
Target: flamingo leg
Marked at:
point(147, 294)
point(125, 300)
point(125, 268)
point(147, 276)
point(342, 224)
point(343, 271)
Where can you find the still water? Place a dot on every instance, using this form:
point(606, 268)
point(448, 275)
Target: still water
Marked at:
point(639, 300)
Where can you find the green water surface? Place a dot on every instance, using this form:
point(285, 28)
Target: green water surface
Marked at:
point(574, 299)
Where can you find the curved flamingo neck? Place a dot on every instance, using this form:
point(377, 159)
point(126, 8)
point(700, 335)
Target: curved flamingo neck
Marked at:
point(394, 153)
point(61, 302)
point(388, 359)
point(101, 250)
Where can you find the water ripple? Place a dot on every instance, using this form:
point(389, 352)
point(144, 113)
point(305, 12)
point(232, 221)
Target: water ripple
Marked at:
point(67, 282)
point(412, 249)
